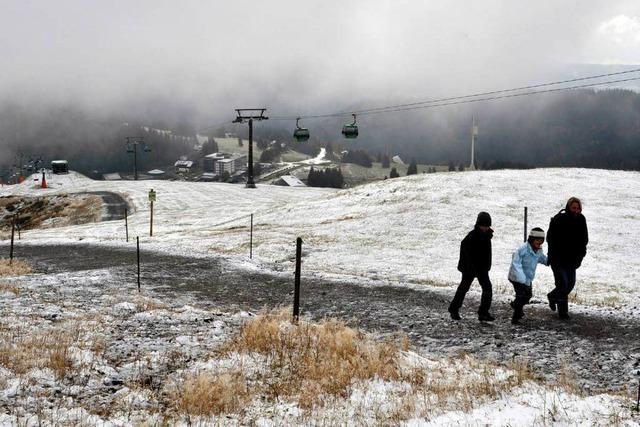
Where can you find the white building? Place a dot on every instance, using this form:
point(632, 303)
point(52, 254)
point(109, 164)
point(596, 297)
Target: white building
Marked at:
point(224, 162)
point(183, 165)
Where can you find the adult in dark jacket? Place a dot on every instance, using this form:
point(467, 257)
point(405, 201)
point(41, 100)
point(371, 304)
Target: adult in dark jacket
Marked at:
point(567, 239)
point(475, 262)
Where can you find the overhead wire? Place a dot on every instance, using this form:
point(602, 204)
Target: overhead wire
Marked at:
point(486, 96)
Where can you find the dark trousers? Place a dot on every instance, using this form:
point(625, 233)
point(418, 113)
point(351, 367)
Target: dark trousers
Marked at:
point(565, 280)
point(523, 296)
point(463, 288)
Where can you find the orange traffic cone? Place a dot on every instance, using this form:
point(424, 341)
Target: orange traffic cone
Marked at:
point(44, 181)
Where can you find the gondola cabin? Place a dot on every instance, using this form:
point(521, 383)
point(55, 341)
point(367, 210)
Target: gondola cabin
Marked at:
point(59, 167)
point(350, 131)
point(300, 134)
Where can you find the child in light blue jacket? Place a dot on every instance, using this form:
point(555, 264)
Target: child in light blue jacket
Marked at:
point(523, 269)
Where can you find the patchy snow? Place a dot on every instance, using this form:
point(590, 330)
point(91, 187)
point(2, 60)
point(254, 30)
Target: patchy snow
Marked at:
point(318, 160)
point(403, 231)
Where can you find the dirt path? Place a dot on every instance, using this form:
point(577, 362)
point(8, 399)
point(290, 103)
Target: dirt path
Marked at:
point(601, 349)
point(114, 204)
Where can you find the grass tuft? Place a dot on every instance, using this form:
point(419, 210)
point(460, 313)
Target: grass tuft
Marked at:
point(314, 360)
point(205, 394)
point(15, 268)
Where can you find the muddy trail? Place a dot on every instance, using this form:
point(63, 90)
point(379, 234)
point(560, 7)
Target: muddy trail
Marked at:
point(599, 349)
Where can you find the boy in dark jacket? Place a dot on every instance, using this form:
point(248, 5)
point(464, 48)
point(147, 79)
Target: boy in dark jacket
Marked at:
point(475, 262)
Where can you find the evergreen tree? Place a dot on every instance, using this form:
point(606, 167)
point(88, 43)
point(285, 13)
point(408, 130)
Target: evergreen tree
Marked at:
point(452, 167)
point(209, 147)
point(269, 155)
point(413, 168)
point(358, 157)
point(385, 161)
point(311, 178)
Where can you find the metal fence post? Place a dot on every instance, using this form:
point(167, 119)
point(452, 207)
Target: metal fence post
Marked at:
point(13, 230)
point(251, 239)
point(138, 252)
point(525, 223)
point(296, 293)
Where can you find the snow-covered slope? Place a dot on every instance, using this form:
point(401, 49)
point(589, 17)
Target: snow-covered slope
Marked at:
point(403, 230)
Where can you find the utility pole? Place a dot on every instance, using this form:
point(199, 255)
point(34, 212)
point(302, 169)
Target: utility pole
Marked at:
point(474, 134)
point(132, 147)
point(250, 114)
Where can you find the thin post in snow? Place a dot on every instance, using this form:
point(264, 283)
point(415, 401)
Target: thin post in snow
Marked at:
point(13, 229)
point(126, 224)
point(138, 252)
point(638, 401)
point(525, 223)
point(151, 221)
point(251, 239)
point(296, 292)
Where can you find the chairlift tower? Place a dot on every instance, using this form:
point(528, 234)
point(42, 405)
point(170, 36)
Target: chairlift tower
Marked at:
point(474, 134)
point(132, 147)
point(249, 115)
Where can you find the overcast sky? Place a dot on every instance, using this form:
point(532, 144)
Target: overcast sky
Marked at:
point(300, 54)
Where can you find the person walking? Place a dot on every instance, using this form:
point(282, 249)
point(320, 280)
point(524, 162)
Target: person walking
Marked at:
point(523, 269)
point(475, 262)
point(567, 239)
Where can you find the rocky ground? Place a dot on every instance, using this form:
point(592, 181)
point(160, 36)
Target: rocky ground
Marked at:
point(599, 347)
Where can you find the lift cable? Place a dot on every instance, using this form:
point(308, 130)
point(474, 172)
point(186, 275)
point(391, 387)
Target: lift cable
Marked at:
point(472, 98)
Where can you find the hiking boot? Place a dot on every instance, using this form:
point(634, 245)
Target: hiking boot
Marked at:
point(486, 317)
point(552, 303)
point(454, 314)
point(564, 316)
point(515, 320)
point(517, 312)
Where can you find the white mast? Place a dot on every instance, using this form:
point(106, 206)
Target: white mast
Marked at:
point(474, 133)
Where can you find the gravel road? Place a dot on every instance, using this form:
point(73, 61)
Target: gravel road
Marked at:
point(599, 347)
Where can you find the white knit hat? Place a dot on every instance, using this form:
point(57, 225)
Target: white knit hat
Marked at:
point(536, 233)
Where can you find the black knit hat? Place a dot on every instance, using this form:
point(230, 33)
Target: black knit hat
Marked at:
point(484, 219)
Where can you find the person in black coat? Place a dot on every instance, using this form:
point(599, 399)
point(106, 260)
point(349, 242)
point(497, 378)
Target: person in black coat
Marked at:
point(475, 262)
point(567, 239)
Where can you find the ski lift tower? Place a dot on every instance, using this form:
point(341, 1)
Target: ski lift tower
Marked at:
point(249, 115)
point(474, 134)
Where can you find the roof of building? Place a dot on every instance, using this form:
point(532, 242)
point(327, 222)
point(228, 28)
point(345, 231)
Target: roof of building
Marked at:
point(291, 181)
point(112, 176)
point(183, 163)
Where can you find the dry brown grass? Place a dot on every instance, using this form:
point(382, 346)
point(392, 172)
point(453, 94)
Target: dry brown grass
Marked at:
point(608, 301)
point(8, 287)
point(315, 364)
point(208, 394)
point(312, 360)
point(15, 268)
point(567, 380)
point(148, 304)
point(43, 349)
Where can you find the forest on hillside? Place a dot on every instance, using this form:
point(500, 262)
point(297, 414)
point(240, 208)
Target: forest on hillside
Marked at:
point(582, 128)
